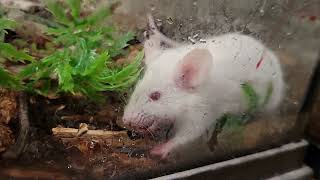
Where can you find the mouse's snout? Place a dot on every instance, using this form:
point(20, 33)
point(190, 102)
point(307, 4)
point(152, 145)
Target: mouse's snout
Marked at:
point(130, 123)
point(126, 122)
point(138, 122)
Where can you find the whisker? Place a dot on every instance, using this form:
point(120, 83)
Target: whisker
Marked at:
point(150, 133)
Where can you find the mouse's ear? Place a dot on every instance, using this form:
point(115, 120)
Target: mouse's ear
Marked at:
point(193, 69)
point(155, 41)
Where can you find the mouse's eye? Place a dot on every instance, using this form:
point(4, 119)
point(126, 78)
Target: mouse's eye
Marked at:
point(154, 96)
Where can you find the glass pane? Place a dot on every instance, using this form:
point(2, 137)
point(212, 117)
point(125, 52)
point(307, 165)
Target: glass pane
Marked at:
point(220, 79)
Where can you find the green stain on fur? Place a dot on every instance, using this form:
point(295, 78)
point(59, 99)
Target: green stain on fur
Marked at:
point(251, 96)
point(232, 122)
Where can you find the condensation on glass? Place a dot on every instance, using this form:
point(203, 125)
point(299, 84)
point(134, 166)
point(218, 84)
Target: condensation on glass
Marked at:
point(291, 29)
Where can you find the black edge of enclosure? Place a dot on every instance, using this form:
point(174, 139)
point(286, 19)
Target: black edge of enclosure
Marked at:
point(312, 90)
point(312, 157)
point(183, 166)
point(292, 159)
point(264, 164)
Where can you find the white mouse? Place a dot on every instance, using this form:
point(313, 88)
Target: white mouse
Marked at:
point(187, 87)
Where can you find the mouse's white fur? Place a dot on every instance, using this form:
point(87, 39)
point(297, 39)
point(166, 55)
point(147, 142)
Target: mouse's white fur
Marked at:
point(213, 86)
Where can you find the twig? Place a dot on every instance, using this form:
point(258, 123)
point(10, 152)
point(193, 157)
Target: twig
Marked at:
point(15, 150)
point(72, 132)
point(111, 138)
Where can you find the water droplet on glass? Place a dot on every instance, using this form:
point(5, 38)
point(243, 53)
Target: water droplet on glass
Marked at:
point(150, 44)
point(69, 166)
point(195, 3)
point(159, 22)
point(170, 20)
point(195, 36)
point(92, 144)
point(191, 40)
point(153, 8)
point(202, 40)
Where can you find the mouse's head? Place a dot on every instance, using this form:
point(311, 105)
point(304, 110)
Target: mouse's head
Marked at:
point(168, 89)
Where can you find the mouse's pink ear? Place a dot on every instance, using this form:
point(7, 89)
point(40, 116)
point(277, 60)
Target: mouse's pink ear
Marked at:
point(155, 42)
point(193, 69)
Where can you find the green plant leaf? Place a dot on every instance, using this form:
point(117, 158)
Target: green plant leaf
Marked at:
point(7, 24)
point(8, 51)
point(57, 31)
point(58, 11)
point(75, 6)
point(98, 65)
point(28, 71)
point(66, 82)
point(9, 81)
point(129, 69)
point(85, 57)
point(120, 43)
point(98, 16)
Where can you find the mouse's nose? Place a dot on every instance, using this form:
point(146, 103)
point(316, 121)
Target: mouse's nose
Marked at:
point(127, 122)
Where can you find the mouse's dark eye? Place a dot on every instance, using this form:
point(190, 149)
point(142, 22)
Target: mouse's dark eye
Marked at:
point(154, 96)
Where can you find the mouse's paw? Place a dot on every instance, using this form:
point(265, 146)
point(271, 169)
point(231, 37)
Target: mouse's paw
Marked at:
point(161, 151)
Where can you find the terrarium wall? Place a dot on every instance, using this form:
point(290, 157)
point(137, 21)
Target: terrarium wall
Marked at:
point(290, 28)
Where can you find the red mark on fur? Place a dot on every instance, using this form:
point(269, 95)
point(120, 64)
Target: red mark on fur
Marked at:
point(154, 96)
point(259, 62)
point(312, 18)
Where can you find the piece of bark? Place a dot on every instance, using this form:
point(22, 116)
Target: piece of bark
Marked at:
point(8, 106)
point(6, 137)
